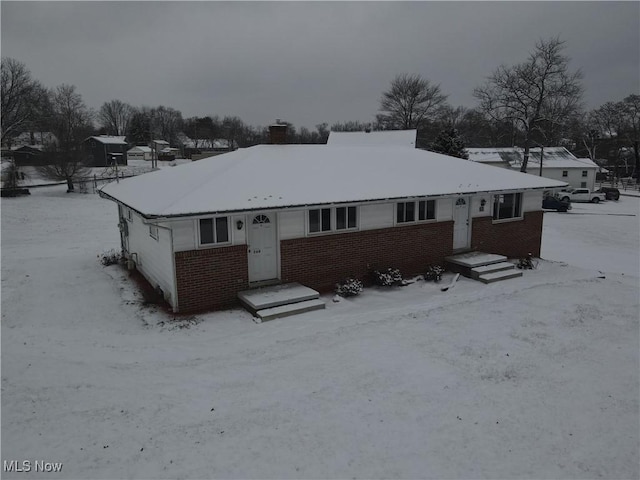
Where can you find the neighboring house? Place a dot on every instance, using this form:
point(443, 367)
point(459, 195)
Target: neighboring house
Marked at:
point(557, 163)
point(157, 146)
point(28, 155)
point(139, 152)
point(387, 138)
point(316, 214)
point(104, 150)
point(168, 153)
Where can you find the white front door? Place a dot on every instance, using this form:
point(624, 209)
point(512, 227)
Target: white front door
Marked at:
point(461, 223)
point(263, 264)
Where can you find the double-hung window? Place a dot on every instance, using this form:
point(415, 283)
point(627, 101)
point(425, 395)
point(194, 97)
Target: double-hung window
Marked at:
point(420, 210)
point(333, 219)
point(214, 230)
point(585, 173)
point(507, 205)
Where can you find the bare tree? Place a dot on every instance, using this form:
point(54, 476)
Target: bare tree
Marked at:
point(71, 125)
point(536, 94)
point(22, 98)
point(631, 113)
point(166, 123)
point(410, 101)
point(115, 117)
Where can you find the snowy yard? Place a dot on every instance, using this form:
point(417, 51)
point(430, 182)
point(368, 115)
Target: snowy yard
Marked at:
point(536, 377)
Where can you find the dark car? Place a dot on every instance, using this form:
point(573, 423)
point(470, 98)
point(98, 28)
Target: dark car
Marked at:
point(552, 203)
point(610, 192)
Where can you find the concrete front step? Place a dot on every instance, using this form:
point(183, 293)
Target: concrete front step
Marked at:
point(501, 275)
point(491, 268)
point(275, 296)
point(290, 309)
point(475, 259)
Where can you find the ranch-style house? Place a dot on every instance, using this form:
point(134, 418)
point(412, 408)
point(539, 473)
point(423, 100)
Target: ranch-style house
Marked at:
point(316, 214)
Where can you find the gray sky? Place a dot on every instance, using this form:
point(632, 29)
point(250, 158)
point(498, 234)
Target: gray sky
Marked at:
point(304, 62)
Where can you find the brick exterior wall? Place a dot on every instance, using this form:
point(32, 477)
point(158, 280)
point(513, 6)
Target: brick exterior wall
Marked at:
point(209, 279)
point(319, 262)
point(513, 239)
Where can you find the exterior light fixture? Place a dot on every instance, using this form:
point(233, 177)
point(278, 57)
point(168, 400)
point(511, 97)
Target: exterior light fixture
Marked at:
point(239, 224)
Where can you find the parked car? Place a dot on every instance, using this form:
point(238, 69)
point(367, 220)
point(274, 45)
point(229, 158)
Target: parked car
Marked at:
point(553, 203)
point(610, 193)
point(581, 195)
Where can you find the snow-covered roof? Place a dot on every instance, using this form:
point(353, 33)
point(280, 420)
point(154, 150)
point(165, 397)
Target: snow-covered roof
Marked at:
point(161, 142)
point(387, 138)
point(280, 176)
point(140, 148)
point(552, 157)
point(110, 140)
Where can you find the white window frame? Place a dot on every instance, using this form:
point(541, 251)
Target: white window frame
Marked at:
point(416, 210)
point(215, 243)
point(515, 215)
point(128, 215)
point(153, 232)
point(583, 184)
point(585, 173)
point(333, 220)
point(565, 173)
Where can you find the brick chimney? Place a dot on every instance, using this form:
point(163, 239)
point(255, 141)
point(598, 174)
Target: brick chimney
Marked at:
point(278, 133)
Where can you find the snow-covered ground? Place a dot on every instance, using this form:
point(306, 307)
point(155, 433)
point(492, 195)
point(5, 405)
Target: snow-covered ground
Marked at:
point(534, 377)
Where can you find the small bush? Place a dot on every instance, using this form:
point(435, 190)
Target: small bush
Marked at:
point(388, 277)
point(527, 263)
point(433, 273)
point(110, 257)
point(349, 287)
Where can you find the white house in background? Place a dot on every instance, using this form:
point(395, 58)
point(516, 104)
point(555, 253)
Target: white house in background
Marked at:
point(316, 214)
point(387, 138)
point(140, 152)
point(558, 163)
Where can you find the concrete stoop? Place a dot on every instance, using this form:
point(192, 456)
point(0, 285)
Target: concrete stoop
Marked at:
point(484, 267)
point(280, 301)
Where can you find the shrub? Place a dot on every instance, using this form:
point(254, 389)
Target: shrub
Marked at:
point(434, 273)
point(349, 287)
point(527, 263)
point(388, 277)
point(110, 257)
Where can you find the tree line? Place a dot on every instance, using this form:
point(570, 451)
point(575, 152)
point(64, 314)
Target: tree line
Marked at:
point(532, 104)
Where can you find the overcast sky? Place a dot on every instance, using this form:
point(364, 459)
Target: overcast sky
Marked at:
point(304, 62)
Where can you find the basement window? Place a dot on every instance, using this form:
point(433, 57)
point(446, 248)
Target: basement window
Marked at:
point(214, 230)
point(323, 220)
point(507, 205)
point(421, 210)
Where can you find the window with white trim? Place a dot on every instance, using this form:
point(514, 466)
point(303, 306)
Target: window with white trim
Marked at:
point(128, 214)
point(153, 231)
point(565, 173)
point(507, 205)
point(583, 184)
point(419, 210)
point(584, 173)
point(333, 219)
point(214, 230)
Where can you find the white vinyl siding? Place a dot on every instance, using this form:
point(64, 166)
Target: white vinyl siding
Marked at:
point(532, 201)
point(154, 258)
point(378, 215)
point(291, 224)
